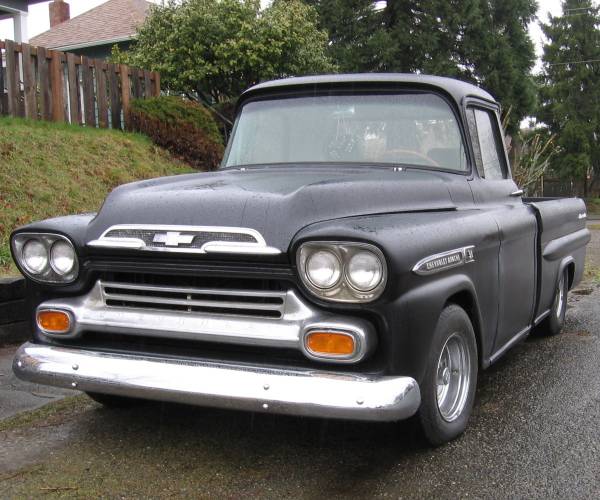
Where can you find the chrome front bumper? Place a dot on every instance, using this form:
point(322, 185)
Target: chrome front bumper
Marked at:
point(222, 385)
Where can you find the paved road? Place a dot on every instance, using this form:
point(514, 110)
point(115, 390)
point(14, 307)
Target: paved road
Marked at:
point(17, 396)
point(535, 433)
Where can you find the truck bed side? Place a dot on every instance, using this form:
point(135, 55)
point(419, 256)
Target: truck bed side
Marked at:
point(562, 236)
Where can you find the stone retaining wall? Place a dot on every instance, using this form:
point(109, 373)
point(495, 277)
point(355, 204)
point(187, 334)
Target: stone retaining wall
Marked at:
point(13, 323)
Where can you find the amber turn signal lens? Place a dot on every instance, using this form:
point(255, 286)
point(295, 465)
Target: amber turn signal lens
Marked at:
point(54, 321)
point(330, 343)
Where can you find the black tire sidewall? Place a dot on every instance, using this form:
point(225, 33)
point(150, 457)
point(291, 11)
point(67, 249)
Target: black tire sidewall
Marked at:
point(453, 319)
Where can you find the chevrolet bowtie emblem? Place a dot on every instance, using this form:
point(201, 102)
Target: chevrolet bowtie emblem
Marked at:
point(173, 238)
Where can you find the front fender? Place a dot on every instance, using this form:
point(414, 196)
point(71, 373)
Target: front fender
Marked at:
point(416, 314)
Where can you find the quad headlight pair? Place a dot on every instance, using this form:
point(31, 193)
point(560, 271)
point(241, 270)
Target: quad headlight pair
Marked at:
point(49, 258)
point(342, 271)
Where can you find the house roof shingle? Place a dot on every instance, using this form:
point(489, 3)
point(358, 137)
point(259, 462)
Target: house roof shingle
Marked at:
point(114, 20)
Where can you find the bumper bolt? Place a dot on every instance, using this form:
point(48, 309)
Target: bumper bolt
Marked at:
point(75, 367)
point(266, 387)
point(73, 384)
point(359, 401)
point(265, 406)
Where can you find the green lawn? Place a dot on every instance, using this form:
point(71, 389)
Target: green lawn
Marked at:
point(49, 169)
point(593, 206)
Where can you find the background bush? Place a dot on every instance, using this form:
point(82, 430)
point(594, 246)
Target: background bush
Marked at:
point(184, 128)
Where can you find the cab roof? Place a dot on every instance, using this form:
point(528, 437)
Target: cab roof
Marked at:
point(457, 89)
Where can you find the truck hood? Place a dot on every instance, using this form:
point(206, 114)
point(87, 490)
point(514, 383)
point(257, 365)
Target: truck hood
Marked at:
point(276, 201)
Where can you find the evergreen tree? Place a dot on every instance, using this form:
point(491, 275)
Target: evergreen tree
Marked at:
point(354, 33)
point(570, 89)
point(482, 41)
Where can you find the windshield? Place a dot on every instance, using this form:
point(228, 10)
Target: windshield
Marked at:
point(400, 129)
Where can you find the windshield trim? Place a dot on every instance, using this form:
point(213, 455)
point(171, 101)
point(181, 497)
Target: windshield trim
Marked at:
point(350, 164)
point(278, 94)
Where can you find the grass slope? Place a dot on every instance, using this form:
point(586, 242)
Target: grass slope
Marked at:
point(49, 169)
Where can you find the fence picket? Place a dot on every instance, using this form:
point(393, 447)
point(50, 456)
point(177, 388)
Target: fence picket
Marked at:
point(147, 84)
point(57, 86)
point(137, 84)
point(73, 79)
point(63, 86)
point(29, 87)
point(42, 82)
point(125, 95)
point(12, 79)
point(101, 93)
point(3, 104)
point(156, 88)
point(87, 81)
point(114, 93)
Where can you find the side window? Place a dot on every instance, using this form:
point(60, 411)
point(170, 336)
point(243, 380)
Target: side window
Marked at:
point(487, 144)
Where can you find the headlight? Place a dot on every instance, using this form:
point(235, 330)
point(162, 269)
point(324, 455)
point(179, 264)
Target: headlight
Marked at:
point(341, 271)
point(62, 257)
point(323, 269)
point(35, 256)
point(364, 271)
point(45, 257)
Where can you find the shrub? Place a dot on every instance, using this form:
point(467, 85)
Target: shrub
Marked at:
point(184, 128)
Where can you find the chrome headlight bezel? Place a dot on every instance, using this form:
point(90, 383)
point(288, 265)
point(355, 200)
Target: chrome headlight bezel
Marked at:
point(343, 290)
point(48, 273)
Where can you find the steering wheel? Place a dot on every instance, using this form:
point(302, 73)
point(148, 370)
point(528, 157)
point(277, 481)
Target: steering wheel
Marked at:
point(392, 154)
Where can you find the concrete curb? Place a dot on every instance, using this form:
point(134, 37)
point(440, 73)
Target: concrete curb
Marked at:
point(13, 318)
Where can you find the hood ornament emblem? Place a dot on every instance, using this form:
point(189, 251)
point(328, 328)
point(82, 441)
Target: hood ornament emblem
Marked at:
point(173, 238)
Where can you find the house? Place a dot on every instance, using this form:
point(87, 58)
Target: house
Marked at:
point(94, 32)
point(17, 11)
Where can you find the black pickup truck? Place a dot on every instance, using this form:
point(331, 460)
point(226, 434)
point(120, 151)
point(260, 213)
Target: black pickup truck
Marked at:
point(361, 254)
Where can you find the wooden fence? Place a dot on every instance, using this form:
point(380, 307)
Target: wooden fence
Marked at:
point(44, 84)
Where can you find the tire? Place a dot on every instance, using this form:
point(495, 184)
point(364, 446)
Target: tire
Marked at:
point(554, 322)
point(112, 401)
point(447, 393)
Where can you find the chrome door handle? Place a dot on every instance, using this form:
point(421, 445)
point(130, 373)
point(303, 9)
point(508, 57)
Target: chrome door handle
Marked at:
point(518, 192)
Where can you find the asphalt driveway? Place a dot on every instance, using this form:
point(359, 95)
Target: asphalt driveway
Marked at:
point(535, 433)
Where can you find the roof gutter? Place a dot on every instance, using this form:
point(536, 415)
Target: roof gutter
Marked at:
point(110, 41)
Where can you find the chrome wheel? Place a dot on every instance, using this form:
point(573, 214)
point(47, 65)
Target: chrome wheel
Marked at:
point(559, 297)
point(453, 373)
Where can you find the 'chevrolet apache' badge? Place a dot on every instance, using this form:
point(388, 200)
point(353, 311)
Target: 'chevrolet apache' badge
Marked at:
point(446, 260)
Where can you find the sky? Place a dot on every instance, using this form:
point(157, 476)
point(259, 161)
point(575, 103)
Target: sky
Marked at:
point(38, 18)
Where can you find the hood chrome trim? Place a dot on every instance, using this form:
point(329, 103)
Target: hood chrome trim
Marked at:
point(259, 247)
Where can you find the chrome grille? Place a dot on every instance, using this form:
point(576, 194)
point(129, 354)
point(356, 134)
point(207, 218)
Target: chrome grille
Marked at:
point(256, 303)
point(186, 239)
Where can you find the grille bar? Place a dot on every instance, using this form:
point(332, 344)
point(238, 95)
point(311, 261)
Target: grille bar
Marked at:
point(260, 303)
point(193, 290)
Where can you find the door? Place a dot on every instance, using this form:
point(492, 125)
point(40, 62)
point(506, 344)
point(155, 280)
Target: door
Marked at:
point(494, 190)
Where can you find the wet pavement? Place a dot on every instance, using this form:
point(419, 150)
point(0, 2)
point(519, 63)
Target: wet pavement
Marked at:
point(17, 396)
point(534, 433)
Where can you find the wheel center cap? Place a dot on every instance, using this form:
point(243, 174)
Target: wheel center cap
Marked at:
point(446, 376)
